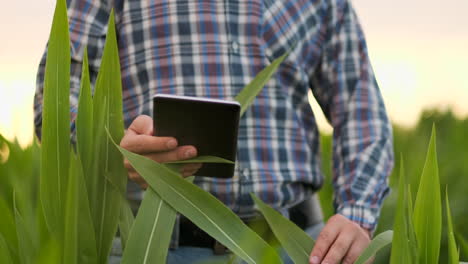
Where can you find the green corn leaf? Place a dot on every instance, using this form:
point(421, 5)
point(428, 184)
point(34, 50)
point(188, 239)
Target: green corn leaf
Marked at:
point(94, 181)
point(80, 243)
point(27, 248)
point(251, 90)
point(410, 201)
point(109, 176)
point(86, 236)
point(463, 243)
point(427, 216)
point(70, 253)
point(126, 217)
point(326, 192)
point(379, 242)
point(400, 252)
point(295, 241)
point(412, 240)
point(84, 120)
point(453, 256)
point(5, 256)
point(86, 176)
point(43, 232)
point(404, 248)
point(202, 159)
point(201, 208)
point(49, 253)
point(234, 259)
point(8, 228)
point(125, 222)
point(56, 123)
point(150, 237)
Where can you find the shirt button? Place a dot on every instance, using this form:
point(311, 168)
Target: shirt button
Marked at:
point(235, 46)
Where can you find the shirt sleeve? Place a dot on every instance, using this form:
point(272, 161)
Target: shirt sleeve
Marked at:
point(87, 27)
point(345, 88)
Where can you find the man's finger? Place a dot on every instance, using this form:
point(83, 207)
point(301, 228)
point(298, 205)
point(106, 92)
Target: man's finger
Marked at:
point(340, 247)
point(143, 144)
point(325, 240)
point(355, 251)
point(190, 169)
point(181, 153)
point(142, 125)
point(127, 164)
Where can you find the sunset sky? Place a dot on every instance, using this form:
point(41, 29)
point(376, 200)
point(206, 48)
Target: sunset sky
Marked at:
point(419, 50)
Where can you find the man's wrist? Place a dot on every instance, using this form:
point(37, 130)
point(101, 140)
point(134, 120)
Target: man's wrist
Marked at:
point(363, 216)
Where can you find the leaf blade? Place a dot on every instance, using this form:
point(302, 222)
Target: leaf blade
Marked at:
point(427, 216)
point(87, 248)
point(84, 119)
point(379, 242)
point(56, 123)
point(453, 256)
point(27, 249)
point(5, 256)
point(109, 175)
point(70, 253)
point(463, 244)
point(125, 222)
point(150, 237)
point(8, 228)
point(251, 90)
point(295, 241)
point(404, 245)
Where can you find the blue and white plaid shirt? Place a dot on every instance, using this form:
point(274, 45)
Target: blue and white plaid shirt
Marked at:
point(213, 48)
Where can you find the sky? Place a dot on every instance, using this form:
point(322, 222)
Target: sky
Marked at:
point(418, 48)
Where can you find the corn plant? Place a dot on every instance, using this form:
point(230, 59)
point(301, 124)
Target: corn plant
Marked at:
point(70, 211)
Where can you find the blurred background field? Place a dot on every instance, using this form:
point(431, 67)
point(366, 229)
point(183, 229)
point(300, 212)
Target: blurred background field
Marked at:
point(419, 50)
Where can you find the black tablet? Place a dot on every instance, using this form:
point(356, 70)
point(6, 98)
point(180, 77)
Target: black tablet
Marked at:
point(210, 125)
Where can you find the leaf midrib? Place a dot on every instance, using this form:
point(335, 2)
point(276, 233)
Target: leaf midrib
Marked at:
point(211, 221)
point(298, 245)
point(106, 170)
point(288, 234)
point(57, 131)
point(152, 232)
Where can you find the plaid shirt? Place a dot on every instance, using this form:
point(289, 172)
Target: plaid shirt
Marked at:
point(214, 48)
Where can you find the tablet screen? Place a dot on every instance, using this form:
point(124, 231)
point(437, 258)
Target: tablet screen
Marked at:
point(210, 125)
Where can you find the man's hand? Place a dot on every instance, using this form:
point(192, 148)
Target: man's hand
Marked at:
point(341, 241)
point(139, 139)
